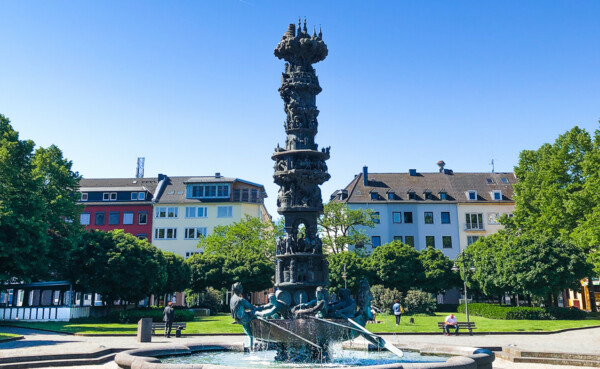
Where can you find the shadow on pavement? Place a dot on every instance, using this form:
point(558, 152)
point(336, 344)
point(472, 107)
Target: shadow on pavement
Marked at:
point(30, 343)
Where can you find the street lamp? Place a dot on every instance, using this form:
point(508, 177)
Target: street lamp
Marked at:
point(455, 268)
point(345, 276)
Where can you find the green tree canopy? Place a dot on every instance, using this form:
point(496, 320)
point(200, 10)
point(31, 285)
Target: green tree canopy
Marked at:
point(117, 265)
point(37, 207)
point(341, 226)
point(438, 275)
point(397, 265)
point(178, 274)
point(356, 270)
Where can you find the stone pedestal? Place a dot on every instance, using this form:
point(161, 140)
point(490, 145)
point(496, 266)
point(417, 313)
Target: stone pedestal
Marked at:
point(144, 331)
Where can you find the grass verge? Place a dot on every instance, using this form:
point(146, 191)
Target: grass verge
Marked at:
point(222, 323)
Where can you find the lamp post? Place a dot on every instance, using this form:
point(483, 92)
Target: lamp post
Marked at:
point(345, 276)
point(455, 268)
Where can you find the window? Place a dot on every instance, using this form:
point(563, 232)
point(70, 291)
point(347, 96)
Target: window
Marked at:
point(84, 196)
point(398, 238)
point(489, 181)
point(84, 218)
point(128, 217)
point(504, 180)
point(143, 217)
point(224, 211)
point(412, 195)
point(430, 241)
point(196, 212)
point(134, 196)
point(408, 217)
point(99, 218)
point(113, 196)
point(189, 254)
point(443, 196)
point(474, 221)
point(113, 217)
point(493, 218)
point(167, 212)
point(374, 196)
point(497, 195)
point(376, 241)
point(472, 239)
point(428, 217)
point(106, 196)
point(165, 234)
point(194, 233)
point(397, 217)
point(391, 196)
point(427, 195)
point(208, 191)
point(445, 217)
point(375, 217)
point(471, 195)
point(142, 196)
point(142, 236)
point(447, 242)
point(409, 240)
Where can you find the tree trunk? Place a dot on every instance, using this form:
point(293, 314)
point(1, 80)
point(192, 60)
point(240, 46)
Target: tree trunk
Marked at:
point(591, 293)
point(548, 301)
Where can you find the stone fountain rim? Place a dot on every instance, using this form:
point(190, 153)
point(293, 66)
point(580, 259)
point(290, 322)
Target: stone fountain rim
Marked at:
point(463, 357)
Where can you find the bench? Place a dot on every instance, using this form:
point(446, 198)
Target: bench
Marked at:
point(161, 326)
point(461, 325)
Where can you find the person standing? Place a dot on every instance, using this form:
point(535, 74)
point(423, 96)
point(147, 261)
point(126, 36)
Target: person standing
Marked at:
point(451, 322)
point(168, 318)
point(398, 310)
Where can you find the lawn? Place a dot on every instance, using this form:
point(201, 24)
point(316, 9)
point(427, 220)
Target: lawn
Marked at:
point(5, 336)
point(222, 323)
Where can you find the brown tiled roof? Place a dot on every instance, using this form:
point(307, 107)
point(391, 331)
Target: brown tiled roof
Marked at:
point(456, 186)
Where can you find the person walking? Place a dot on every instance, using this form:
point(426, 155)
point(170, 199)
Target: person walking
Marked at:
point(168, 318)
point(398, 310)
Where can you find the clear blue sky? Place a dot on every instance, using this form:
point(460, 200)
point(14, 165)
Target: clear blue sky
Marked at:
point(192, 86)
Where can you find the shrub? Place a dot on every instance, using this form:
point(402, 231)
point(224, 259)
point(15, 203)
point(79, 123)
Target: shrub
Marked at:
point(132, 316)
point(419, 302)
point(383, 298)
point(492, 311)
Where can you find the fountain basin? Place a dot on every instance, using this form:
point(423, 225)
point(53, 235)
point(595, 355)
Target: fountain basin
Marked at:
point(148, 358)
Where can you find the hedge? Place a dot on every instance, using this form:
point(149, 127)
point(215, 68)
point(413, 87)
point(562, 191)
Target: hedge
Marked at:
point(492, 311)
point(132, 316)
point(447, 308)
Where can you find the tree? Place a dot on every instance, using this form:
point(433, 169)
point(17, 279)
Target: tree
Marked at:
point(178, 274)
point(117, 265)
point(356, 270)
point(558, 191)
point(340, 226)
point(36, 208)
point(438, 275)
point(397, 265)
point(243, 251)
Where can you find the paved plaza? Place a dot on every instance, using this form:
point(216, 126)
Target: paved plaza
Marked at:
point(41, 343)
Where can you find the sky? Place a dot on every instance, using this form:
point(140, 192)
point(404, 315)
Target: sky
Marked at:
point(192, 85)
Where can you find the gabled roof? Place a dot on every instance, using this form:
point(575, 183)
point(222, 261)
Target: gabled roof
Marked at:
point(456, 186)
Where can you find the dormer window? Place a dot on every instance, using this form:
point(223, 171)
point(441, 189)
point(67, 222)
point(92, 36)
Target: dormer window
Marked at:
point(471, 195)
point(496, 195)
point(411, 195)
point(202, 191)
point(374, 195)
point(443, 195)
point(109, 196)
point(504, 180)
point(427, 195)
point(84, 196)
point(391, 195)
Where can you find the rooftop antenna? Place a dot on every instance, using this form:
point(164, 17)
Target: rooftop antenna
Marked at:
point(139, 171)
point(492, 164)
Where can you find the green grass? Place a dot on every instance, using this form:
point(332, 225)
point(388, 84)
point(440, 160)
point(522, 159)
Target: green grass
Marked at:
point(222, 323)
point(429, 324)
point(5, 336)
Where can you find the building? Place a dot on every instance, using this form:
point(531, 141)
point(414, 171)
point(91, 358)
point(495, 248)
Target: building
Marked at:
point(119, 203)
point(445, 210)
point(190, 207)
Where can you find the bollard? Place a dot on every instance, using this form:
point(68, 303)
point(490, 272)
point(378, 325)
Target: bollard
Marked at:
point(178, 331)
point(144, 332)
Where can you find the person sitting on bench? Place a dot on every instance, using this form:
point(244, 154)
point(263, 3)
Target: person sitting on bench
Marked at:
point(451, 322)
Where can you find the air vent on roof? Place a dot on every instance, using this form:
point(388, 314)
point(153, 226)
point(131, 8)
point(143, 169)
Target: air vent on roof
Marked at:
point(217, 175)
point(412, 172)
point(448, 171)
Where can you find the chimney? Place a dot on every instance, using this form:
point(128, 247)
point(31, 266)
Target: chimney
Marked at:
point(217, 175)
point(441, 165)
point(412, 172)
point(365, 175)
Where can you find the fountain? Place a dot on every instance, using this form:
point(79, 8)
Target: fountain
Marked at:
point(298, 322)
